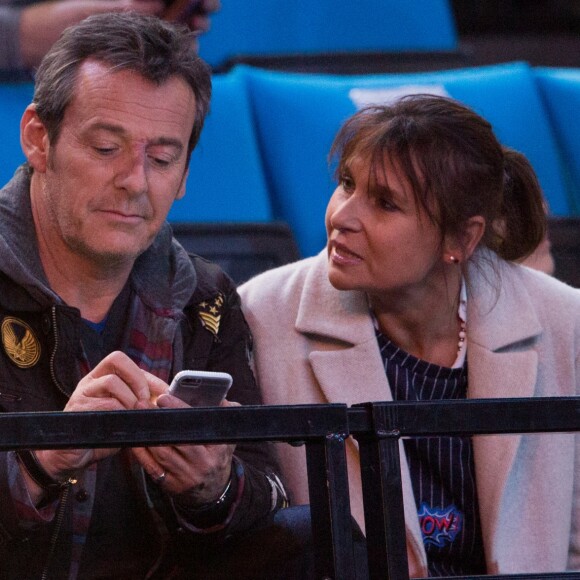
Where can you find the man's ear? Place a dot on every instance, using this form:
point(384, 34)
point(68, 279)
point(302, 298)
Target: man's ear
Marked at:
point(34, 139)
point(462, 246)
point(181, 190)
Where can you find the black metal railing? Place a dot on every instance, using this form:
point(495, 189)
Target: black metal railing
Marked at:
point(378, 428)
point(323, 429)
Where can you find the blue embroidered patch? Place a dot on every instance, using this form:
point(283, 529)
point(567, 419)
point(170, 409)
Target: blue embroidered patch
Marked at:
point(439, 525)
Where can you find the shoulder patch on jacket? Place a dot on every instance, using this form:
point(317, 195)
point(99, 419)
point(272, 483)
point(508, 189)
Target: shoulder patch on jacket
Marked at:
point(210, 313)
point(20, 343)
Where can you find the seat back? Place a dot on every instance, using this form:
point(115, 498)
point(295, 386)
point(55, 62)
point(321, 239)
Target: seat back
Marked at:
point(560, 90)
point(14, 98)
point(226, 180)
point(275, 27)
point(241, 249)
point(298, 115)
point(564, 235)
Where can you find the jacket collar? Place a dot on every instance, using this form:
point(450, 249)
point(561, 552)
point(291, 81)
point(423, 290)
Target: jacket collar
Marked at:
point(501, 326)
point(500, 311)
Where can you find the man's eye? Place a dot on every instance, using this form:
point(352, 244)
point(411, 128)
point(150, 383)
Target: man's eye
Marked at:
point(160, 161)
point(105, 150)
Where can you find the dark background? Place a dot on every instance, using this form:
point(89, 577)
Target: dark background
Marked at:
point(542, 32)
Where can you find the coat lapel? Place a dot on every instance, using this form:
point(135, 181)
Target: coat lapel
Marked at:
point(349, 369)
point(501, 364)
point(501, 361)
point(345, 359)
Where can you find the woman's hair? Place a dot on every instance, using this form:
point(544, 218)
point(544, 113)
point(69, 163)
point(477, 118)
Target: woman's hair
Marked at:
point(456, 167)
point(125, 41)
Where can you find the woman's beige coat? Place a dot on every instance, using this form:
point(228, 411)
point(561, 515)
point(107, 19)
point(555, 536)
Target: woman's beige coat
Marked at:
point(314, 344)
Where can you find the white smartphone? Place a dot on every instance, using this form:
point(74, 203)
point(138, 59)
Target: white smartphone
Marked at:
point(201, 388)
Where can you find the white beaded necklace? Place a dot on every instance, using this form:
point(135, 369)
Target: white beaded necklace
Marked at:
point(462, 313)
point(462, 335)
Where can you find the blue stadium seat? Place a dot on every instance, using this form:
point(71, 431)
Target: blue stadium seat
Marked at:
point(297, 116)
point(560, 89)
point(226, 180)
point(274, 27)
point(14, 98)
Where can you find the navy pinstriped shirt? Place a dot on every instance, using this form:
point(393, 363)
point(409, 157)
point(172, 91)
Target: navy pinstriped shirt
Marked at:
point(442, 470)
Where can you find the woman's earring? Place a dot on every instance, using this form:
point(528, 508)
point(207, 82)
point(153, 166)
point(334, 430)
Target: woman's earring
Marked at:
point(454, 260)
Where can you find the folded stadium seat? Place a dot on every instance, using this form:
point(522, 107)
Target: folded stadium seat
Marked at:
point(226, 181)
point(297, 116)
point(302, 27)
point(14, 98)
point(241, 249)
point(560, 90)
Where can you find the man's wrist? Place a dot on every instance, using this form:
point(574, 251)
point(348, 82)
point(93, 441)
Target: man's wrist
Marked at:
point(225, 497)
point(51, 486)
point(213, 513)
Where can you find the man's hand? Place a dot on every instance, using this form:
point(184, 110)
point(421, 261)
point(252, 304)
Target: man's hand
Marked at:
point(198, 473)
point(115, 384)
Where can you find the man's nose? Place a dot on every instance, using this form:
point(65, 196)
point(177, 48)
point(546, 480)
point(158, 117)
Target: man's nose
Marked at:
point(132, 175)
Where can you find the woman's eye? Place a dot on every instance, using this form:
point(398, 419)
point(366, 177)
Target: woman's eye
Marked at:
point(347, 183)
point(386, 204)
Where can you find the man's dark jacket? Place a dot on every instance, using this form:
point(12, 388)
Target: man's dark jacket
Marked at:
point(184, 312)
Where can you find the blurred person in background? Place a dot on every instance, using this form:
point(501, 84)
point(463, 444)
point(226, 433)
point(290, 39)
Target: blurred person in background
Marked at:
point(419, 296)
point(29, 28)
point(542, 258)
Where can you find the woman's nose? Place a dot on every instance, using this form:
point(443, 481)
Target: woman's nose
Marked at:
point(345, 214)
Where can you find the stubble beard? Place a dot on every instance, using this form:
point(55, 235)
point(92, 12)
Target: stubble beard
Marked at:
point(67, 229)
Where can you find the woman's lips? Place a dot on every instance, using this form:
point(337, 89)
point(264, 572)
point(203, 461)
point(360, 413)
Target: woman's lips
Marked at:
point(341, 255)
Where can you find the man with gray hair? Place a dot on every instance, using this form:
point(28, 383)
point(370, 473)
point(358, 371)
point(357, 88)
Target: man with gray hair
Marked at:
point(100, 307)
